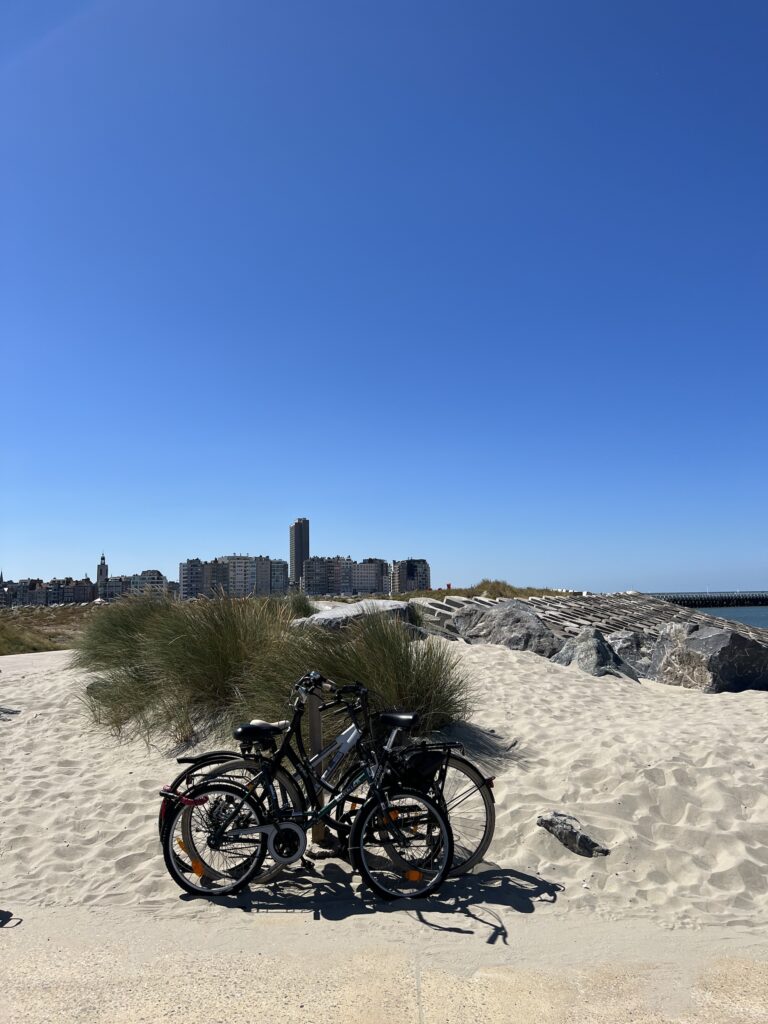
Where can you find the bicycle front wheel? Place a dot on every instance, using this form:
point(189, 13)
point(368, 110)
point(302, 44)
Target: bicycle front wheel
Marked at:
point(402, 844)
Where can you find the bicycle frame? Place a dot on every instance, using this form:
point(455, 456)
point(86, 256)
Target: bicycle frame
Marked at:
point(302, 766)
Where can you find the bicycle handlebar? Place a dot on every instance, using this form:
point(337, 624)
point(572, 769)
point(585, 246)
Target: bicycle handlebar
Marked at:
point(313, 681)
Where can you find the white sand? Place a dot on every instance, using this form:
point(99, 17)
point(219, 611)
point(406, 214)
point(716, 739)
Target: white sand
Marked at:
point(670, 927)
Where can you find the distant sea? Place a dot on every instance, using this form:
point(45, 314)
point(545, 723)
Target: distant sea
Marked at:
point(750, 615)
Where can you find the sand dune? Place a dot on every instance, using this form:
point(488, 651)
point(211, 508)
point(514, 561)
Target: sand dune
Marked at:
point(673, 781)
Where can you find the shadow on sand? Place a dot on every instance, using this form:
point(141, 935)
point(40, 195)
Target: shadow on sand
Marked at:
point(328, 891)
point(7, 920)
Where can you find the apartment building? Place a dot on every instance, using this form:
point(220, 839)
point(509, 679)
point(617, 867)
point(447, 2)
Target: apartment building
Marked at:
point(190, 578)
point(278, 578)
point(410, 574)
point(327, 575)
point(371, 576)
point(150, 581)
point(234, 575)
point(240, 573)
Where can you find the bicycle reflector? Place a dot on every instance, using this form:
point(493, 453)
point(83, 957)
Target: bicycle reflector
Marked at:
point(412, 875)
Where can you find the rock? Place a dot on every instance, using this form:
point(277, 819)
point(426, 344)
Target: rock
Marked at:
point(513, 624)
point(590, 652)
point(342, 614)
point(709, 659)
point(633, 648)
point(671, 635)
point(568, 830)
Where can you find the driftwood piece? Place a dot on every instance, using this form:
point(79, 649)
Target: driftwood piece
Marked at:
point(567, 830)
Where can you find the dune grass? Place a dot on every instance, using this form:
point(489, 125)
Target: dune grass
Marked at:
point(300, 605)
point(22, 638)
point(180, 671)
point(485, 588)
point(39, 628)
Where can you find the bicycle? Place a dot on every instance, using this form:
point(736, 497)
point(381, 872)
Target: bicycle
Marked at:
point(400, 841)
point(439, 769)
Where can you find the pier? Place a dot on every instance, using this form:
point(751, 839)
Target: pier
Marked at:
point(717, 598)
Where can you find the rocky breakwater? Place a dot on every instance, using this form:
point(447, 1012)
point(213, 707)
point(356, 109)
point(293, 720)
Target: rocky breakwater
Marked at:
point(703, 655)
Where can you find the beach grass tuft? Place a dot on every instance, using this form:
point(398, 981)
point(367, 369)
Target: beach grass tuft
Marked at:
point(177, 672)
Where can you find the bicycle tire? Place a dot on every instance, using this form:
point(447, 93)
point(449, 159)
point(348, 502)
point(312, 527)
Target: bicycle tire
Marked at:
point(422, 858)
point(205, 872)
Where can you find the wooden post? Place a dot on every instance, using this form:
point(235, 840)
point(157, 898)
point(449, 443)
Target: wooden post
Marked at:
point(315, 747)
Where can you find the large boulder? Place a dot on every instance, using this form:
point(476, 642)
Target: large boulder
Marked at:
point(340, 615)
point(709, 659)
point(590, 652)
point(512, 624)
point(633, 648)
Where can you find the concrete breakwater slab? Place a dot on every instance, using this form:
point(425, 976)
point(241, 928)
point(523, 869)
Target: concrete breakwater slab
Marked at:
point(569, 615)
point(640, 613)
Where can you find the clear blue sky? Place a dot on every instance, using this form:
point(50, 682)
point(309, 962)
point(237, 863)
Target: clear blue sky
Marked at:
point(479, 282)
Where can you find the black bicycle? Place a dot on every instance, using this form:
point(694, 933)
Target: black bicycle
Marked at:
point(218, 834)
point(439, 769)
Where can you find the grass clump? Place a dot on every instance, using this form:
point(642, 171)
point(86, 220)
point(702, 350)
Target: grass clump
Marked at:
point(300, 605)
point(40, 628)
point(485, 588)
point(179, 671)
point(403, 672)
point(20, 638)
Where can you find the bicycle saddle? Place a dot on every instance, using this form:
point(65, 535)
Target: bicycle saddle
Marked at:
point(399, 719)
point(258, 731)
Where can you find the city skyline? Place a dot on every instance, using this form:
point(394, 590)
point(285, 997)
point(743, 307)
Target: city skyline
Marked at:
point(242, 574)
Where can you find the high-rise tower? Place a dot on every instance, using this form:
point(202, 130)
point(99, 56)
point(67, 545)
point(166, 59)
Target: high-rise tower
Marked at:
point(299, 547)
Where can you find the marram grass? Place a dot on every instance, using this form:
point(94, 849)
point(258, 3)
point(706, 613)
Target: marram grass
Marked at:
point(177, 672)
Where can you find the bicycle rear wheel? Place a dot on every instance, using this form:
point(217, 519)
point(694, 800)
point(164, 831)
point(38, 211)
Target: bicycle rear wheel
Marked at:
point(190, 776)
point(468, 801)
point(216, 859)
point(402, 845)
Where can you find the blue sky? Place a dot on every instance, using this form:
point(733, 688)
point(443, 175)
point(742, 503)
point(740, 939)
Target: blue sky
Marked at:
point(478, 282)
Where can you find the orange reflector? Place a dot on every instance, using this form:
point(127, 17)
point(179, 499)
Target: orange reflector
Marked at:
point(198, 867)
point(394, 815)
point(413, 875)
point(181, 846)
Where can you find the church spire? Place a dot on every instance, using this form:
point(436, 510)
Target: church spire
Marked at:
point(102, 572)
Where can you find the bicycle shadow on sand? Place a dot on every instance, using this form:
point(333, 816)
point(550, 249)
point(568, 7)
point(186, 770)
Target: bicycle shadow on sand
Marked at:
point(329, 891)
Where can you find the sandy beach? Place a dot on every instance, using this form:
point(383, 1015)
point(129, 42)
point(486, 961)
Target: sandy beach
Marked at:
point(669, 928)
